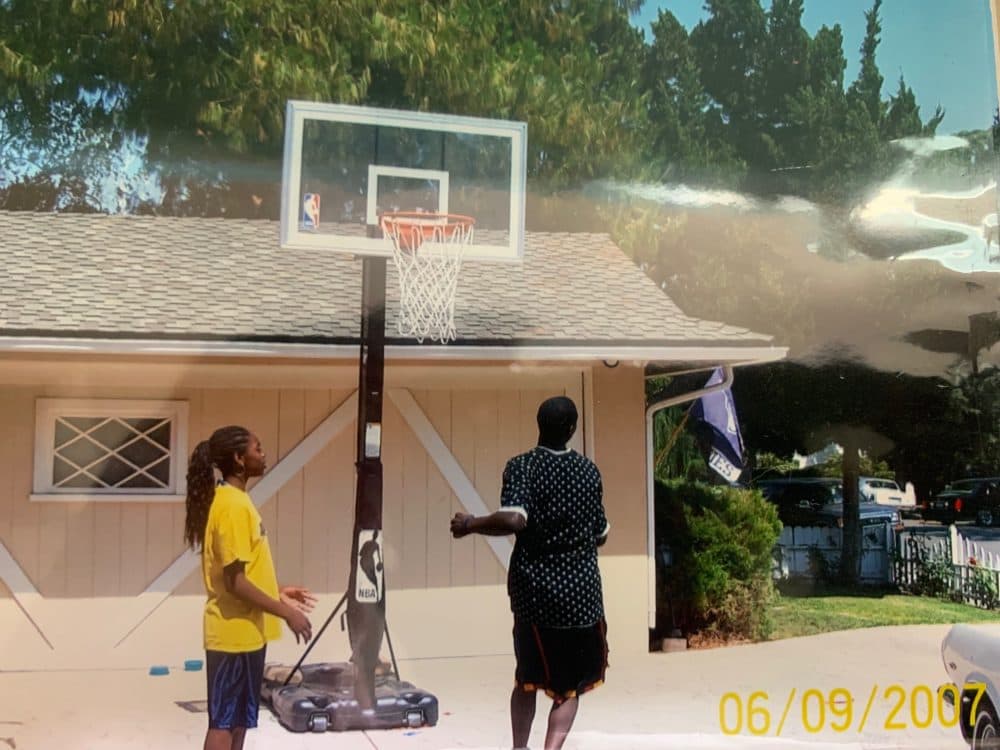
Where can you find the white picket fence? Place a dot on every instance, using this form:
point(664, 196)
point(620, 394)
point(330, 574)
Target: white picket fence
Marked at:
point(954, 546)
point(964, 569)
point(965, 551)
point(800, 548)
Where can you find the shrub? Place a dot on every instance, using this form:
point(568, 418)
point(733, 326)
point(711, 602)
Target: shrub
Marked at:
point(981, 587)
point(934, 572)
point(721, 540)
point(822, 569)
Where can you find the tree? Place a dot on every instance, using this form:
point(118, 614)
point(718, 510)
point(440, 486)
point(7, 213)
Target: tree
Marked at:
point(746, 99)
point(786, 65)
point(794, 407)
point(867, 88)
point(815, 115)
point(977, 397)
point(207, 83)
point(730, 46)
point(682, 141)
point(902, 119)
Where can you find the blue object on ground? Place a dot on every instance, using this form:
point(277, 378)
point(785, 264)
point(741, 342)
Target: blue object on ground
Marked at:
point(158, 670)
point(193, 665)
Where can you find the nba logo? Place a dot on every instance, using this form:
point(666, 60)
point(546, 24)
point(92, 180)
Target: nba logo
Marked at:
point(310, 211)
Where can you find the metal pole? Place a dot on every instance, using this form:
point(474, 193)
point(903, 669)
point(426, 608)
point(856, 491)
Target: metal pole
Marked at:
point(366, 587)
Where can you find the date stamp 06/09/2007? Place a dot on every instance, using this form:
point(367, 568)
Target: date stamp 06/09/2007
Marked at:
point(891, 708)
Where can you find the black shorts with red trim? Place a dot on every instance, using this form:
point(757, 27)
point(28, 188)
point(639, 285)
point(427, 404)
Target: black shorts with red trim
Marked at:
point(564, 662)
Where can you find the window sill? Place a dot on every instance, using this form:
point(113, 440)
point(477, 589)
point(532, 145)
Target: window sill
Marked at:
point(83, 497)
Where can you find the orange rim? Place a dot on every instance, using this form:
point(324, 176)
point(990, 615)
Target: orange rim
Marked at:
point(412, 228)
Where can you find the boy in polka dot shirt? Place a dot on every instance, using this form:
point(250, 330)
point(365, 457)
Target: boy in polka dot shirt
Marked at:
point(552, 500)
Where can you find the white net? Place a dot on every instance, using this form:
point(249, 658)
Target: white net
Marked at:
point(427, 250)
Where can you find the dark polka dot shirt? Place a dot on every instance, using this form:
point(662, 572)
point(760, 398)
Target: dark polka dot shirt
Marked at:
point(553, 578)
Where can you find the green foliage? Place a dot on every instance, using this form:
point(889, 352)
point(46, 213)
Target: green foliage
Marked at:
point(684, 139)
point(867, 88)
point(927, 573)
point(822, 569)
point(981, 588)
point(934, 574)
point(721, 540)
point(747, 99)
point(216, 76)
point(869, 466)
point(767, 464)
point(791, 407)
point(809, 615)
point(934, 577)
point(903, 117)
point(676, 452)
point(977, 401)
point(771, 103)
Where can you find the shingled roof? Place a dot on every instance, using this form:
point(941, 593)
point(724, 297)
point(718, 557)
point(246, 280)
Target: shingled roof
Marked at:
point(98, 276)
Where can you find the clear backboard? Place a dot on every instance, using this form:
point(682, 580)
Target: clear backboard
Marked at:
point(345, 166)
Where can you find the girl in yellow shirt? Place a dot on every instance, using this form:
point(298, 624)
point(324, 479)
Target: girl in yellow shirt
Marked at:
point(244, 601)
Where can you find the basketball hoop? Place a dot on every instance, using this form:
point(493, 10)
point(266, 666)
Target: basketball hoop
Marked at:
point(427, 249)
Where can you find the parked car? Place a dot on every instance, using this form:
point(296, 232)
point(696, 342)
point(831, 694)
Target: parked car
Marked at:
point(971, 655)
point(884, 492)
point(966, 499)
point(820, 502)
point(987, 504)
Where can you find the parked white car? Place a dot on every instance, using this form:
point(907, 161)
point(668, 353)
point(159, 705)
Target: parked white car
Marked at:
point(884, 492)
point(971, 655)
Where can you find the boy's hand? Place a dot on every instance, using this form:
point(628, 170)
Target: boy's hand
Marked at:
point(460, 524)
point(298, 597)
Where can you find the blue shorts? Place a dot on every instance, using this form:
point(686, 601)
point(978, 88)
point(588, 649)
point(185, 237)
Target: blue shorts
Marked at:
point(234, 682)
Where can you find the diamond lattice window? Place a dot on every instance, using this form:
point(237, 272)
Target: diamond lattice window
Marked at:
point(109, 447)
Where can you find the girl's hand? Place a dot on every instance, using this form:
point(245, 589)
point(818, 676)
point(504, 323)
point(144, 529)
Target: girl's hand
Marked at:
point(298, 623)
point(298, 597)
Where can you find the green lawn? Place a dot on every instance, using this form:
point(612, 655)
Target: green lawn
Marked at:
point(808, 615)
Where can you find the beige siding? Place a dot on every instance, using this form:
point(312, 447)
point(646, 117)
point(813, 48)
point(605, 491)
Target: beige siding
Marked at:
point(410, 475)
point(441, 503)
point(286, 532)
point(115, 549)
point(620, 453)
point(25, 519)
point(483, 417)
point(323, 481)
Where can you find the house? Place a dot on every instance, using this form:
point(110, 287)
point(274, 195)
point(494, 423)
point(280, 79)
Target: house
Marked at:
point(125, 340)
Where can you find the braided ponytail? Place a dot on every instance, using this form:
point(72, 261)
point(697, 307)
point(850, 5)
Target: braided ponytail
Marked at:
point(200, 491)
point(216, 452)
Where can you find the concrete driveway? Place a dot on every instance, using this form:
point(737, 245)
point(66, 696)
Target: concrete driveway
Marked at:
point(650, 701)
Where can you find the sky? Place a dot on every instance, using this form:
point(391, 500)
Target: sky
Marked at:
point(944, 48)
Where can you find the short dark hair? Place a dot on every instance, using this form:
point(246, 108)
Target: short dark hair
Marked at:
point(557, 417)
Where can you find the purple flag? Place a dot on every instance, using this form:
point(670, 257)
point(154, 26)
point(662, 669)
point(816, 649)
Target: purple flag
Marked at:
point(718, 413)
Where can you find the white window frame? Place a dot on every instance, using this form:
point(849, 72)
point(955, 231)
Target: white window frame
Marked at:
point(47, 410)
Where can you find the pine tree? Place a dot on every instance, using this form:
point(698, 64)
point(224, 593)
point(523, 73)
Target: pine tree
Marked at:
point(867, 88)
point(902, 118)
point(730, 47)
point(786, 63)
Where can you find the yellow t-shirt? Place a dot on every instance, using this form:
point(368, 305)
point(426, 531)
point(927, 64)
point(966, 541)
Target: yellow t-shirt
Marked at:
point(235, 532)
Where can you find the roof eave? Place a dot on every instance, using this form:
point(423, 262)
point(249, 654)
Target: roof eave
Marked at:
point(665, 353)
